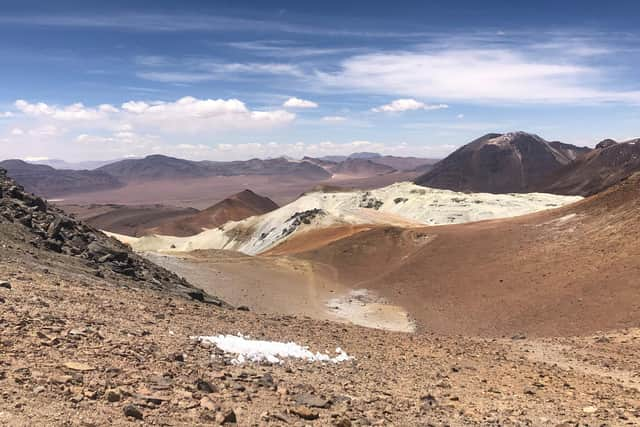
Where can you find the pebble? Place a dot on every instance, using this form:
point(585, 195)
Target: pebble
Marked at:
point(5, 284)
point(132, 412)
point(226, 417)
point(206, 386)
point(305, 413)
point(113, 395)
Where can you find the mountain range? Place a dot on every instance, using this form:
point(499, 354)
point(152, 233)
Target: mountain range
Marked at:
point(51, 182)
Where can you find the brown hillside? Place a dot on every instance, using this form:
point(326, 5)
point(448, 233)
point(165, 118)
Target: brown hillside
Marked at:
point(234, 208)
point(568, 271)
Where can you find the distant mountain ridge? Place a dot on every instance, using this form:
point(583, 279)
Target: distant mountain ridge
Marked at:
point(514, 162)
point(49, 182)
point(164, 167)
point(596, 170)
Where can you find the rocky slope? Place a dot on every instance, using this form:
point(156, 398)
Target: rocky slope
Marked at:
point(45, 228)
point(49, 182)
point(592, 172)
point(515, 162)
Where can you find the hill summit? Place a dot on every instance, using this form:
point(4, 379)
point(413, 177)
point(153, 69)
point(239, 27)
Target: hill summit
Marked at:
point(514, 162)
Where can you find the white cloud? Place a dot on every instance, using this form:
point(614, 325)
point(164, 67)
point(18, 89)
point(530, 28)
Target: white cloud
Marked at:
point(189, 113)
point(17, 132)
point(407, 104)
point(73, 112)
point(489, 75)
point(294, 102)
point(460, 116)
point(6, 115)
point(334, 119)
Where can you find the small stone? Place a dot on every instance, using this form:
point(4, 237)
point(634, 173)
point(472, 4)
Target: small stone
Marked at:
point(113, 395)
point(178, 357)
point(5, 284)
point(344, 422)
point(39, 389)
point(61, 379)
point(207, 403)
point(266, 381)
point(78, 366)
point(312, 401)
point(226, 417)
point(132, 412)
point(305, 413)
point(206, 386)
point(243, 308)
point(589, 409)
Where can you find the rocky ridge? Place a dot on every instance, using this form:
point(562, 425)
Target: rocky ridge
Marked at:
point(46, 227)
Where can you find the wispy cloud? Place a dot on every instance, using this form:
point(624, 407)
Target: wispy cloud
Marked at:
point(193, 70)
point(158, 23)
point(334, 119)
point(476, 76)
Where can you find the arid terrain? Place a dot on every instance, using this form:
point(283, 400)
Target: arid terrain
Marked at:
point(484, 309)
point(79, 349)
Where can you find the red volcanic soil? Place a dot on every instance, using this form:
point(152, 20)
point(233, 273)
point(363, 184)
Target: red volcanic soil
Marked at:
point(235, 208)
point(573, 270)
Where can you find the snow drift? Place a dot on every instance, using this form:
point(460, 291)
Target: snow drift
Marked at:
point(273, 352)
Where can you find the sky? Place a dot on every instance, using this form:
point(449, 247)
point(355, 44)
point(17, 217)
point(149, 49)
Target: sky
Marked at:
point(224, 80)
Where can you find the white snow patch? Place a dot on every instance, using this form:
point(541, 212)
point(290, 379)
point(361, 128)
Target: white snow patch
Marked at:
point(247, 350)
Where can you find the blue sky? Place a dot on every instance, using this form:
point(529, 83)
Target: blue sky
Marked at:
point(232, 80)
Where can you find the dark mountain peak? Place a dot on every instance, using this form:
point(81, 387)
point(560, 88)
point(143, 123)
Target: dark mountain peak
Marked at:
point(501, 163)
point(606, 143)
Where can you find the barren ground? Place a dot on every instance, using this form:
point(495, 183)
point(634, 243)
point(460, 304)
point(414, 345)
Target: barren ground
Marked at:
point(131, 346)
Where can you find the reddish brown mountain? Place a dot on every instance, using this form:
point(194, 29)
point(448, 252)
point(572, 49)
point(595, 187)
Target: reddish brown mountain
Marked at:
point(501, 163)
point(597, 170)
point(234, 208)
